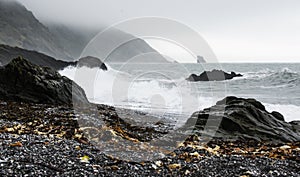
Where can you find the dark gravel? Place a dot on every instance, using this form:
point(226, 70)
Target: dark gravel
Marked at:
point(45, 156)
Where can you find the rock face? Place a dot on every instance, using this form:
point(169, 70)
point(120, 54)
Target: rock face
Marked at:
point(20, 28)
point(21, 80)
point(238, 118)
point(91, 62)
point(214, 75)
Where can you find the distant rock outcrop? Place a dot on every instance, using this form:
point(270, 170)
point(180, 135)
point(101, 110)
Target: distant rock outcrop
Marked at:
point(214, 75)
point(21, 80)
point(237, 118)
point(200, 59)
point(91, 62)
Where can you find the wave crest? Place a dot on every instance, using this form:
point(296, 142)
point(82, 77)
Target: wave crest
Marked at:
point(274, 79)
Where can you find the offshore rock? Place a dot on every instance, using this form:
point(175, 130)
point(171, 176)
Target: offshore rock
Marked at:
point(91, 62)
point(214, 75)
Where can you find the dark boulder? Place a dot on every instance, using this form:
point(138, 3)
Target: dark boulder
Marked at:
point(237, 118)
point(91, 62)
point(214, 75)
point(21, 80)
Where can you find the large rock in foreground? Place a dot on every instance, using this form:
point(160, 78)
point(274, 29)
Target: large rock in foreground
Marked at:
point(214, 75)
point(237, 118)
point(21, 80)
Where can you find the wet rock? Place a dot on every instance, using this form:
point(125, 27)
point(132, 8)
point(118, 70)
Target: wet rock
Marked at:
point(21, 80)
point(214, 75)
point(238, 118)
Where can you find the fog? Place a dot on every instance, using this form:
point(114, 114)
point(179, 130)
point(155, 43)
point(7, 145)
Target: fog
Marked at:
point(237, 31)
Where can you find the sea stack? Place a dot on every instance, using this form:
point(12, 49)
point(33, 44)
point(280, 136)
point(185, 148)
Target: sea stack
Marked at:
point(200, 59)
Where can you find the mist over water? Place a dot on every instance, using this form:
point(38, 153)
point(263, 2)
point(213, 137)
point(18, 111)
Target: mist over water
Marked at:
point(162, 88)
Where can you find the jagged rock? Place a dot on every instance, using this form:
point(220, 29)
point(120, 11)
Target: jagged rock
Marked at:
point(238, 118)
point(214, 75)
point(21, 80)
point(91, 62)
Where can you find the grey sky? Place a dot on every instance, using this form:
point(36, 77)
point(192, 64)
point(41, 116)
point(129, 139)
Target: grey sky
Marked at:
point(236, 30)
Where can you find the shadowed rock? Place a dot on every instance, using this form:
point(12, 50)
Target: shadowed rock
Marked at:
point(214, 75)
point(21, 80)
point(238, 118)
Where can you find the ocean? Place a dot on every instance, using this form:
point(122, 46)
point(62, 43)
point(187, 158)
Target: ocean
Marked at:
point(161, 89)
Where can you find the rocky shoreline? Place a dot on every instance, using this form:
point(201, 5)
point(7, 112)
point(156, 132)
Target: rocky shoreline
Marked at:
point(56, 136)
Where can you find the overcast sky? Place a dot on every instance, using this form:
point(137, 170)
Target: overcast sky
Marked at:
point(236, 30)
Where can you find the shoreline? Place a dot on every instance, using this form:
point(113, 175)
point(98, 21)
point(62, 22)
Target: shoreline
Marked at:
point(55, 155)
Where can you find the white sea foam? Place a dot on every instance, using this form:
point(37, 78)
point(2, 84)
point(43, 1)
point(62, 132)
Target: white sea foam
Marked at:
point(151, 95)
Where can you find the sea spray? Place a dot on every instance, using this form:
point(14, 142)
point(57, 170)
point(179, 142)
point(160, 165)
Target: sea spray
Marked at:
point(155, 96)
